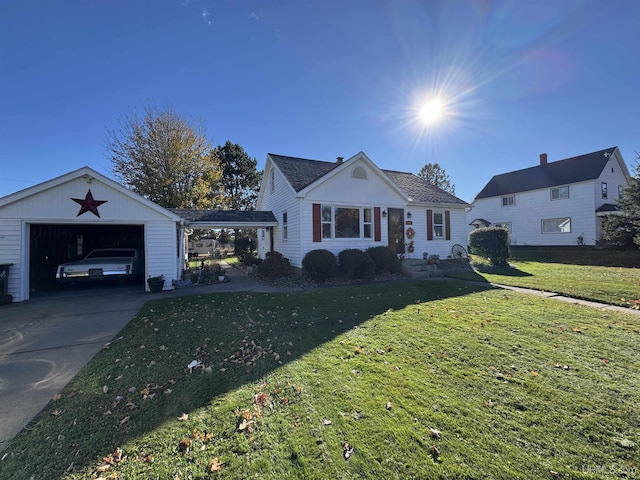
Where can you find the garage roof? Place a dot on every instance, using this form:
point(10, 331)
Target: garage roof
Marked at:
point(226, 218)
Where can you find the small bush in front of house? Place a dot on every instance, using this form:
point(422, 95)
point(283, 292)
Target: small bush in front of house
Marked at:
point(356, 264)
point(385, 259)
point(491, 243)
point(243, 246)
point(320, 265)
point(275, 265)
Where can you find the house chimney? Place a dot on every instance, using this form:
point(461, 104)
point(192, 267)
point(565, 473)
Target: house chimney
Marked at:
point(339, 159)
point(543, 159)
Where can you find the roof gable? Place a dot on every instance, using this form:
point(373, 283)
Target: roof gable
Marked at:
point(302, 173)
point(562, 172)
point(89, 175)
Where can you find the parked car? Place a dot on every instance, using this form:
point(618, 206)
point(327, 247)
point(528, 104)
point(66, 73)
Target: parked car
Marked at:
point(103, 263)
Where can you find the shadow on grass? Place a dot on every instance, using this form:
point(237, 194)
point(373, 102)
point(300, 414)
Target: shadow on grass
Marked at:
point(507, 270)
point(585, 255)
point(141, 381)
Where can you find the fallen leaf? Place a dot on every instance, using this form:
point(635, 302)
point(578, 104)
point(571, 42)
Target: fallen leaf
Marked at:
point(435, 433)
point(389, 405)
point(215, 465)
point(184, 445)
point(56, 397)
point(125, 420)
point(347, 450)
point(534, 373)
point(326, 422)
point(184, 417)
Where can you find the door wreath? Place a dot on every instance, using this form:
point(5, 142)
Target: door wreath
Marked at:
point(410, 233)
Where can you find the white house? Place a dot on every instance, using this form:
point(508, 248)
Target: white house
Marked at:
point(66, 217)
point(354, 204)
point(553, 203)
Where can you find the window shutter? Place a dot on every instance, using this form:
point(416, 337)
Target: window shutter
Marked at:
point(317, 224)
point(377, 228)
point(447, 224)
point(429, 224)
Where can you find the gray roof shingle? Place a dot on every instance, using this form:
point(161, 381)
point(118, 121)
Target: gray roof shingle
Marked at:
point(302, 172)
point(562, 172)
point(232, 216)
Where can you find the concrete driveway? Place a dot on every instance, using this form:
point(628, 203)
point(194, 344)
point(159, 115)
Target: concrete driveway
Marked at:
point(45, 341)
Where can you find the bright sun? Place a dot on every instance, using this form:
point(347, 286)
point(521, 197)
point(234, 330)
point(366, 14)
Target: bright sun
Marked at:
point(432, 111)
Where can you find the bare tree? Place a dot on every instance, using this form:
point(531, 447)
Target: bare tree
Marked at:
point(165, 157)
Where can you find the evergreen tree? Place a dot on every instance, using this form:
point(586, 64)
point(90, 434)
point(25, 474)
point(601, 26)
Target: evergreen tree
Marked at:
point(240, 178)
point(435, 174)
point(624, 229)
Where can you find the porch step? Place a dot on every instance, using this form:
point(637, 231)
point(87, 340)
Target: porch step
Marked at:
point(420, 269)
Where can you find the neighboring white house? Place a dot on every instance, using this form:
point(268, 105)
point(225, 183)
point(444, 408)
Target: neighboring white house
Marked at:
point(553, 203)
point(64, 218)
point(354, 204)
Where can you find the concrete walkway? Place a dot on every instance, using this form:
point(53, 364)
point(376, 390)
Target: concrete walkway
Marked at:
point(45, 341)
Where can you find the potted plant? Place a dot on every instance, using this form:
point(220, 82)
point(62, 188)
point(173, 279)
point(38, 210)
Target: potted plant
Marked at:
point(219, 273)
point(156, 284)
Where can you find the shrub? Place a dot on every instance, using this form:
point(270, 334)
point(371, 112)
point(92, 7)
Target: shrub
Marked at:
point(491, 243)
point(243, 246)
point(275, 265)
point(385, 259)
point(320, 265)
point(356, 264)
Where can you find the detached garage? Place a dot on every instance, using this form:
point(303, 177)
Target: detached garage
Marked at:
point(65, 218)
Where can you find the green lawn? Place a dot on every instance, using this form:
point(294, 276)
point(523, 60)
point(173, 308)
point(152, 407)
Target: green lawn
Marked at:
point(607, 276)
point(433, 379)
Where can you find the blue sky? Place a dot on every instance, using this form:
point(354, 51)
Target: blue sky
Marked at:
point(322, 78)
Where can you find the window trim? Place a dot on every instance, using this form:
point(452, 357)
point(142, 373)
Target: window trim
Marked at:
point(559, 190)
point(603, 190)
point(272, 180)
point(362, 233)
point(510, 201)
point(440, 224)
point(285, 226)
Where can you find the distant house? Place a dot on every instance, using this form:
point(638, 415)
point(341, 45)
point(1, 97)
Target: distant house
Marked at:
point(553, 203)
point(354, 204)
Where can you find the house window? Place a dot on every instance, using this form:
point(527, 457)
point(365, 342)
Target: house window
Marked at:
point(438, 224)
point(367, 222)
point(285, 225)
point(272, 180)
point(556, 225)
point(505, 225)
point(327, 221)
point(603, 189)
point(346, 222)
point(509, 201)
point(560, 192)
point(620, 188)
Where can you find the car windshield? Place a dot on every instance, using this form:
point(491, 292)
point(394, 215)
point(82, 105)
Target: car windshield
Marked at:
point(111, 254)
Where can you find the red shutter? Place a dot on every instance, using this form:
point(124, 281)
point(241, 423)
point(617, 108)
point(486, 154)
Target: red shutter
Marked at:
point(377, 228)
point(317, 224)
point(429, 224)
point(447, 225)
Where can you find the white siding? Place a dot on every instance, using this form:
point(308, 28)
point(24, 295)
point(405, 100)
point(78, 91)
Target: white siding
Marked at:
point(532, 207)
point(10, 253)
point(161, 251)
point(282, 199)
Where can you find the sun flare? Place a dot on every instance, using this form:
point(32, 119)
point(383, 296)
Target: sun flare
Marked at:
point(432, 111)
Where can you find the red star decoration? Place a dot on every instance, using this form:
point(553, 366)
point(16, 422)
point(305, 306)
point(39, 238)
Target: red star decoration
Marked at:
point(88, 204)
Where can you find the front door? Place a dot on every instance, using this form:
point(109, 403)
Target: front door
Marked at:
point(396, 229)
